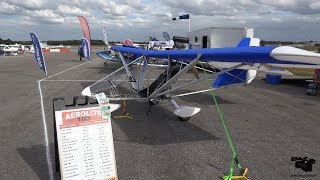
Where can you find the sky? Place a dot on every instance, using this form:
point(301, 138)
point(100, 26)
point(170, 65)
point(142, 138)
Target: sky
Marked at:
point(282, 20)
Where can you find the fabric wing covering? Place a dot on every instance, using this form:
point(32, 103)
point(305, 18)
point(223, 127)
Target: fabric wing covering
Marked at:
point(231, 54)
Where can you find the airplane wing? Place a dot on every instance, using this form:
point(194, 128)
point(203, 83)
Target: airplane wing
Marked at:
point(240, 57)
point(238, 66)
point(105, 55)
point(265, 55)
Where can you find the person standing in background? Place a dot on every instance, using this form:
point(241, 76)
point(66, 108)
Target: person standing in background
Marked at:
point(80, 52)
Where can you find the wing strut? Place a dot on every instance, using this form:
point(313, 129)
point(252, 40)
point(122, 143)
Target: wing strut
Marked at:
point(201, 79)
point(175, 77)
point(132, 80)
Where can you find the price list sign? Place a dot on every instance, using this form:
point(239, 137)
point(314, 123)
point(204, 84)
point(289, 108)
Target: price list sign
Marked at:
point(85, 144)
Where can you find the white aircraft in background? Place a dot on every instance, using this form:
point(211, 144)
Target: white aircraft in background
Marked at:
point(10, 49)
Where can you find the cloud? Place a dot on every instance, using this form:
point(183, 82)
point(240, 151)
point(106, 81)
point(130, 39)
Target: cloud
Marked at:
point(6, 8)
point(272, 19)
point(67, 10)
point(32, 4)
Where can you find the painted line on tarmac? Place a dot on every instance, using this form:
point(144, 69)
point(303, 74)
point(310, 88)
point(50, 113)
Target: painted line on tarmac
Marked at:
point(49, 161)
point(12, 57)
point(77, 80)
point(62, 71)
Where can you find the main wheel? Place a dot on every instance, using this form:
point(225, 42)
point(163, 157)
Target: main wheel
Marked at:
point(154, 101)
point(105, 64)
point(183, 118)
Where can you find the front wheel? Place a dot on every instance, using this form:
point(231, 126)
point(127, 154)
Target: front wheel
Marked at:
point(183, 118)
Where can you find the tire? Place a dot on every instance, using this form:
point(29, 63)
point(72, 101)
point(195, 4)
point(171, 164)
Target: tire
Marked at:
point(105, 64)
point(154, 102)
point(183, 118)
point(312, 89)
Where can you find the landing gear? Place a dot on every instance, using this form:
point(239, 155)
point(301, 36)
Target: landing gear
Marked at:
point(154, 101)
point(184, 113)
point(312, 89)
point(105, 64)
point(183, 118)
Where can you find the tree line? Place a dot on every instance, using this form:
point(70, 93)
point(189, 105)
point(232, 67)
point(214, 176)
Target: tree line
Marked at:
point(100, 42)
point(53, 42)
point(287, 43)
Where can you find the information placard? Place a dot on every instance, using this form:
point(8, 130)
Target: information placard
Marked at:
point(85, 144)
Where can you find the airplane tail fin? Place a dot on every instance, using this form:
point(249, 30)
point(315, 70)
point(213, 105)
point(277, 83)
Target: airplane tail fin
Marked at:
point(239, 76)
point(246, 42)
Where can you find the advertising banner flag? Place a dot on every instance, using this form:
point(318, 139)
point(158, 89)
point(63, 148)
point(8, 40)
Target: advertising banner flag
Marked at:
point(105, 35)
point(85, 48)
point(85, 29)
point(38, 52)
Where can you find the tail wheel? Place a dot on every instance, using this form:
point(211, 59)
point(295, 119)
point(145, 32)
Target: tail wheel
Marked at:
point(183, 118)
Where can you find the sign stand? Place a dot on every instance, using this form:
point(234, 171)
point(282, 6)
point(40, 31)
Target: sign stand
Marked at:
point(83, 140)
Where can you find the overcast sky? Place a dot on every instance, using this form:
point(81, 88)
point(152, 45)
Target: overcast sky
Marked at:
point(296, 20)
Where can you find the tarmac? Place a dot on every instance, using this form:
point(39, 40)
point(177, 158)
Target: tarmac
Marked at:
point(268, 124)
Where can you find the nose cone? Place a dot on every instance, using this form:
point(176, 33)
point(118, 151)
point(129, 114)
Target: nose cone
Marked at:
point(86, 92)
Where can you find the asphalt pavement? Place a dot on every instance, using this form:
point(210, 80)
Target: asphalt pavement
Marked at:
point(268, 124)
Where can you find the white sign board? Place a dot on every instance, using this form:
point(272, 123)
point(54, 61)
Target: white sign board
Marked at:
point(85, 143)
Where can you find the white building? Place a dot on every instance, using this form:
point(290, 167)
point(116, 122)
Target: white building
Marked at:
point(216, 37)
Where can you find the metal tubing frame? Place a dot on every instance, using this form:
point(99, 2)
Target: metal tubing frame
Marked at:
point(175, 77)
point(201, 79)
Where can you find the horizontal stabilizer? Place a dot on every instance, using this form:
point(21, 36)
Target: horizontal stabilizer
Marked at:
point(279, 71)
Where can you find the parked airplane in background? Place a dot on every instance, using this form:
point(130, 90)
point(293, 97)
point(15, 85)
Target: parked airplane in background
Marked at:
point(10, 49)
point(44, 45)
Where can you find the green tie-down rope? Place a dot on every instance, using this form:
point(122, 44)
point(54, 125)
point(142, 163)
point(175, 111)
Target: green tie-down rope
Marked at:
point(234, 153)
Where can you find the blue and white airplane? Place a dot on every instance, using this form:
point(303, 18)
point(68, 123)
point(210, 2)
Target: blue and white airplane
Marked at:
point(239, 66)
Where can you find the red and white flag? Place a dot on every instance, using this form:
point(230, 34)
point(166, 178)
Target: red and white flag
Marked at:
point(85, 29)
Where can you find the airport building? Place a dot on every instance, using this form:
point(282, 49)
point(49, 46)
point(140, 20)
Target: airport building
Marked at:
point(217, 37)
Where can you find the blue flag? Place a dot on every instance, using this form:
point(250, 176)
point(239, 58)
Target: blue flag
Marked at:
point(85, 48)
point(186, 16)
point(38, 52)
